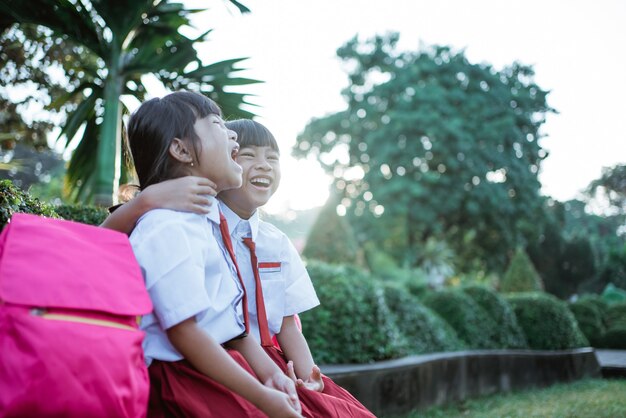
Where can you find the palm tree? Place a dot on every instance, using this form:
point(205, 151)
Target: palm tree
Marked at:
point(116, 42)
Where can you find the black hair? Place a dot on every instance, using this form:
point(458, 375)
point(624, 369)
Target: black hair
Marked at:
point(252, 133)
point(153, 126)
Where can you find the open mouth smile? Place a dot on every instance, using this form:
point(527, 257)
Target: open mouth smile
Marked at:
point(262, 182)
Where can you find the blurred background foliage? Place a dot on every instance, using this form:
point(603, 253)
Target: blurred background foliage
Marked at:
point(435, 163)
point(436, 236)
point(77, 64)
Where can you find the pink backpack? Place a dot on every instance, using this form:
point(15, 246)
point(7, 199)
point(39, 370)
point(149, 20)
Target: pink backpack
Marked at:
point(69, 342)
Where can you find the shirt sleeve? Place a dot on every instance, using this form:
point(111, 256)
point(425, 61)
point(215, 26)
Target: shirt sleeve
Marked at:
point(172, 259)
point(300, 294)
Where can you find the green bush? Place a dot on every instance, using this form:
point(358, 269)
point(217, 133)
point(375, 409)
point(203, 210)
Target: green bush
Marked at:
point(423, 329)
point(521, 276)
point(615, 317)
point(546, 321)
point(590, 320)
point(13, 200)
point(509, 334)
point(597, 301)
point(472, 324)
point(331, 238)
point(615, 338)
point(612, 294)
point(91, 215)
point(353, 323)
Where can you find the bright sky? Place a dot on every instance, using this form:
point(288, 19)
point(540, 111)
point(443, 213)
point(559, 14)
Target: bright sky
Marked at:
point(577, 49)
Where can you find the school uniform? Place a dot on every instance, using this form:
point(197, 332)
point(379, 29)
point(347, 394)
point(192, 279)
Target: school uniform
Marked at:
point(286, 290)
point(188, 274)
point(287, 287)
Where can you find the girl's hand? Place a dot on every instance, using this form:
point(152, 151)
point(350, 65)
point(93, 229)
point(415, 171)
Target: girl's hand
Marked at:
point(313, 382)
point(186, 194)
point(279, 405)
point(283, 383)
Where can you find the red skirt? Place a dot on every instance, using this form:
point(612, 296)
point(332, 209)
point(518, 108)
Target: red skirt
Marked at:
point(333, 402)
point(177, 389)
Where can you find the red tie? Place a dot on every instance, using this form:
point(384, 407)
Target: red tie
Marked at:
point(229, 247)
point(266, 339)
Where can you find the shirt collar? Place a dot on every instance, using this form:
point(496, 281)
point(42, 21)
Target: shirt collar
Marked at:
point(213, 215)
point(233, 219)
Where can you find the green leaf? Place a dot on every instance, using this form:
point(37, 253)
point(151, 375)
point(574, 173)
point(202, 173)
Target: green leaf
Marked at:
point(78, 117)
point(240, 6)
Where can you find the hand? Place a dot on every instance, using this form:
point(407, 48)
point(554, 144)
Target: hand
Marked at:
point(187, 194)
point(284, 384)
point(278, 405)
point(313, 382)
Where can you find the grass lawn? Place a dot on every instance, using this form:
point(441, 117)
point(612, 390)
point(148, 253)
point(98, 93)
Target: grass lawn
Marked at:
point(593, 398)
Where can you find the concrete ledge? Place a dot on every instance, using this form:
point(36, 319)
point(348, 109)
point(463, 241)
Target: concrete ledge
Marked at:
point(418, 382)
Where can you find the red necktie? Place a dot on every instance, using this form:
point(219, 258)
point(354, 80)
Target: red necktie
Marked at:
point(266, 339)
point(229, 247)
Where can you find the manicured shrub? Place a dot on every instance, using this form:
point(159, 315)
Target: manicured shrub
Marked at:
point(615, 315)
point(423, 329)
point(521, 276)
point(91, 215)
point(13, 200)
point(590, 320)
point(331, 238)
point(509, 334)
point(612, 294)
point(615, 336)
point(472, 324)
point(353, 323)
point(596, 300)
point(546, 321)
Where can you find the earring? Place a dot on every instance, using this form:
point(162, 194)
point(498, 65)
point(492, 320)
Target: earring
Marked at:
point(191, 164)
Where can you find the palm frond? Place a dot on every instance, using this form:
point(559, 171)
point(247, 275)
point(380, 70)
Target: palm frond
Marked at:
point(61, 16)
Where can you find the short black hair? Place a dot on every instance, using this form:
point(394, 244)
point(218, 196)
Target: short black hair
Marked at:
point(252, 133)
point(153, 126)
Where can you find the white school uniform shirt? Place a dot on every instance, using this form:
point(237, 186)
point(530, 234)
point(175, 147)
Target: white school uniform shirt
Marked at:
point(187, 274)
point(287, 287)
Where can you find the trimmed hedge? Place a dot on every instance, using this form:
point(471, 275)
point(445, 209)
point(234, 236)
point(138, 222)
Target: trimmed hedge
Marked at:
point(510, 334)
point(596, 300)
point(546, 321)
point(612, 294)
point(615, 336)
point(14, 200)
point(423, 329)
point(92, 215)
point(353, 323)
point(521, 275)
point(590, 320)
point(472, 324)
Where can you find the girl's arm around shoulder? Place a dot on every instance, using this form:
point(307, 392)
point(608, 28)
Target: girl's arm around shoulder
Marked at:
point(208, 357)
point(187, 194)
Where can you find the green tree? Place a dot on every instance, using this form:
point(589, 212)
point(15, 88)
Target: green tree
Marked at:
point(433, 145)
point(521, 276)
point(612, 185)
point(102, 49)
point(331, 238)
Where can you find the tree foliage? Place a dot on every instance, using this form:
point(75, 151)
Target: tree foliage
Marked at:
point(612, 184)
point(79, 58)
point(433, 145)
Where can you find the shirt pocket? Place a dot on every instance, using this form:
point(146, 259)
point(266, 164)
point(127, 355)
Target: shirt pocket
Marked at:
point(274, 298)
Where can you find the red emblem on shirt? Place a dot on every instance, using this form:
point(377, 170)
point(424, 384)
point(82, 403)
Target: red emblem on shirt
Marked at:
point(269, 267)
